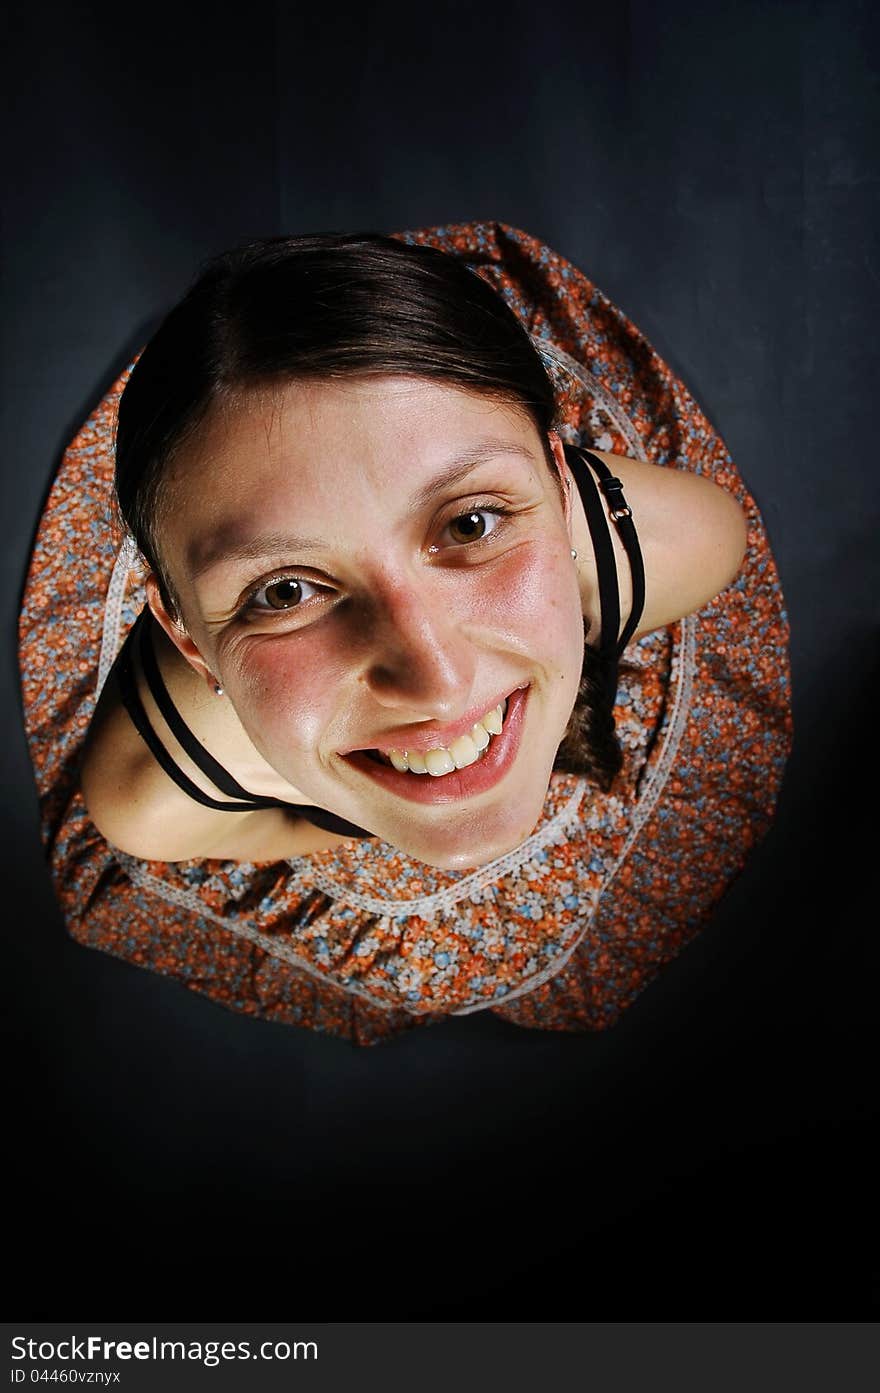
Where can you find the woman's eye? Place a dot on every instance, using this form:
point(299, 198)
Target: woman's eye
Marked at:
point(474, 526)
point(283, 594)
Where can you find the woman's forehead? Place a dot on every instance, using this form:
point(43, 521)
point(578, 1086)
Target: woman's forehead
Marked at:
point(405, 425)
point(373, 400)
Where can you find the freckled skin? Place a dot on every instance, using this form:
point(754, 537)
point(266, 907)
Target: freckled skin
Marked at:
point(410, 625)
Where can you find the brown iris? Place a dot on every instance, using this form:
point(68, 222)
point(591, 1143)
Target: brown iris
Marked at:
point(470, 526)
point(291, 594)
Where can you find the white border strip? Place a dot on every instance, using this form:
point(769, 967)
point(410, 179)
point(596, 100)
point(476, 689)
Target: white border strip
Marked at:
point(125, 563)
point(275, 947)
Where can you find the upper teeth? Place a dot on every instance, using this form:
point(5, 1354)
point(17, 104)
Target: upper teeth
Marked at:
point(462, 752)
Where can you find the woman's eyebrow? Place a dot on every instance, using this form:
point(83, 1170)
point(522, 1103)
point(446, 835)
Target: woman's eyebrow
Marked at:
point(463, 464)
point(226, 544)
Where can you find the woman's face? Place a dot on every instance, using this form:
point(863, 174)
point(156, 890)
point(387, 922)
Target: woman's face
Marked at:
point(375, 565)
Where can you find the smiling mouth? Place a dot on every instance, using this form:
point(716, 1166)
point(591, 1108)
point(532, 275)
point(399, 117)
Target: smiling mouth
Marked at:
point(471, 765)
point(446, 759)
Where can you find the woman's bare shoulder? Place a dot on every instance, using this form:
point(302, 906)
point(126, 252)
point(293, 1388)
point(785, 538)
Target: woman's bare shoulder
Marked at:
point(692, 534)
point(129, 797)
point(140, 810)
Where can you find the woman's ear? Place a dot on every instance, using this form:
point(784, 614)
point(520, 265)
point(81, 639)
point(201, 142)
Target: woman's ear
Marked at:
point(562, 469)
point(175, 631)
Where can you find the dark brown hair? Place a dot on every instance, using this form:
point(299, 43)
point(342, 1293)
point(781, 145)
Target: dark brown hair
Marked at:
point(327, 306)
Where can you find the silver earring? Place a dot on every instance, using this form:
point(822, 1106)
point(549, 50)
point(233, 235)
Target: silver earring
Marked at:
point(574, 555)
point(218, 690)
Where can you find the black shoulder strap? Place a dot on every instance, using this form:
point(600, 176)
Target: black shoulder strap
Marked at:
point(197, 752)
point(610, 647)
point(220, 776)
point(135, 708)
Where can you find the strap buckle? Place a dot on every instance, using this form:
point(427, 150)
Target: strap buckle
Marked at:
point(618, 506)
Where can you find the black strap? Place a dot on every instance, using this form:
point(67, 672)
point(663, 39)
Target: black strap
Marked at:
point(610, 647)
point(135, 708)
point(196, 751)
point(319, 817)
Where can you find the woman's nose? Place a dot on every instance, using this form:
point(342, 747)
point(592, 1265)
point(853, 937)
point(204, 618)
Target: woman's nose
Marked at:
point(418, 656)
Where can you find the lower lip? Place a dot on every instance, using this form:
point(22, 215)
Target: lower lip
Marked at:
point(475, 778)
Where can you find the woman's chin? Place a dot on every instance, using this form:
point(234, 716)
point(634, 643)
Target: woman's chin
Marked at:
point(469, 859)
point(460, 847)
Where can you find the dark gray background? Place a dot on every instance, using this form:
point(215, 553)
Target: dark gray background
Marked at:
point(712, 169)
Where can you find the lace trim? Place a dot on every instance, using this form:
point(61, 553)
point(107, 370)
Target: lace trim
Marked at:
point(125, 562)
point(556, 357)
point(428, 906)
point(274, 947)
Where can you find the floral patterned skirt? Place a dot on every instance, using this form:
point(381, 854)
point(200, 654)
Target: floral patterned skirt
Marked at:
point(363, 942)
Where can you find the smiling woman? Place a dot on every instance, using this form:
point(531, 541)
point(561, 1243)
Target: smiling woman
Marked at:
point(410, 668)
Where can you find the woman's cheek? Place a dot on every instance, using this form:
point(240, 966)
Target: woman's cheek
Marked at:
point(288, 694)
point(534, 598)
